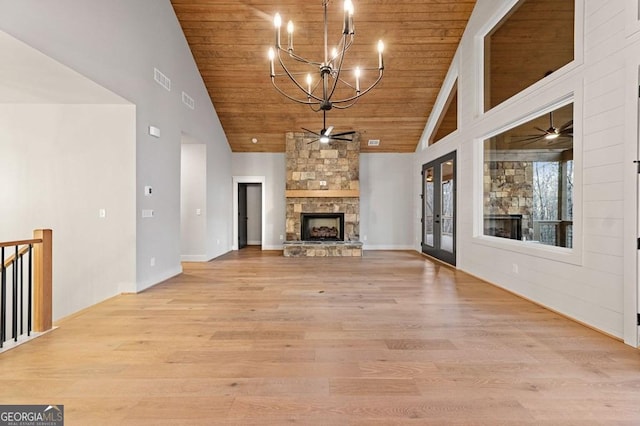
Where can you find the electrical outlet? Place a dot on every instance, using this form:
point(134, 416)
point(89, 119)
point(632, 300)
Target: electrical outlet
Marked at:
point(152, 261)
point(281, 237)
point(102, 213)
point(515, 268)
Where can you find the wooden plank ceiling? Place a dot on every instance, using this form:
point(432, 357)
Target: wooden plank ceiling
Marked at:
point(230, 38)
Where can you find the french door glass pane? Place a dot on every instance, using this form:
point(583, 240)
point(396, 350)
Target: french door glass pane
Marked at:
point(428, 207)
point(446, 206)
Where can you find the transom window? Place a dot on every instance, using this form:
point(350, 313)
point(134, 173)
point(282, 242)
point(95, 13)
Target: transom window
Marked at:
point(532, 41)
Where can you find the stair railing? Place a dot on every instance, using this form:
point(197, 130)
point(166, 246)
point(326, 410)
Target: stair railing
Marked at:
point(26, 278)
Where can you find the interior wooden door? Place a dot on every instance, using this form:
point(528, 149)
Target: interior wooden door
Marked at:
point(242, 215)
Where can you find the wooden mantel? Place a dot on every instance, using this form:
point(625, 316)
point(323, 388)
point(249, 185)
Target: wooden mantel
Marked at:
point(322, 193)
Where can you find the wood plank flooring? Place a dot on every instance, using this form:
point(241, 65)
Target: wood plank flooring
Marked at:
point(253, 338)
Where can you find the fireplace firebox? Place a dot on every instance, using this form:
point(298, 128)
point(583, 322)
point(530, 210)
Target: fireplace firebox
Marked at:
point(322, 226)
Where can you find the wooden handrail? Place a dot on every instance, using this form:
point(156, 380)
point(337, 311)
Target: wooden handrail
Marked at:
point(21, 242)
point(9, 260)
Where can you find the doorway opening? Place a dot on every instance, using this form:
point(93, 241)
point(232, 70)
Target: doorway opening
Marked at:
point(249, 215)
point(439, 208)
point(248, 211)
point(193, 200)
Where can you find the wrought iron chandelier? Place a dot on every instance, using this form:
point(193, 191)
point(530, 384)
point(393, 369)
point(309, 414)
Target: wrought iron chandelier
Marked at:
point(319, 93)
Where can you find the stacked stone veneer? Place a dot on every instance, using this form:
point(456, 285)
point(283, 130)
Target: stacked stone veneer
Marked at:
point(508, 189)
point(322, 167)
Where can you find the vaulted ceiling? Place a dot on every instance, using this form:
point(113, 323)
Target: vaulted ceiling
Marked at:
point(230, 38)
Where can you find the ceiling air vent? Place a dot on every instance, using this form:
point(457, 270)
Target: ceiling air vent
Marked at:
point(374, 142)
point(162, 79)
point(188, 101)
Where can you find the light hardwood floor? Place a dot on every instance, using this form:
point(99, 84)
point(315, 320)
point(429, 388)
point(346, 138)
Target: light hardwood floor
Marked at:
point(253, 338)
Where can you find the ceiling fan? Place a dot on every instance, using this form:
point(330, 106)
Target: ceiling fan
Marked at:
point(551, 135)
point(325, 135)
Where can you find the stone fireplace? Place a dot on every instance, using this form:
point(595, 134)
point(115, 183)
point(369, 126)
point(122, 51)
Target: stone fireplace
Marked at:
point(322, 184)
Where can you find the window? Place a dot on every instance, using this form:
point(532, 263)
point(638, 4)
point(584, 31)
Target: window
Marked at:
point(528, 180)
point(535, 39)
point(448, 119)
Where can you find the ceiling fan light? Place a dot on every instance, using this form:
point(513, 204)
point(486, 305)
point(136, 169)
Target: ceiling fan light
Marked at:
point(552, 136)
point(324, 139)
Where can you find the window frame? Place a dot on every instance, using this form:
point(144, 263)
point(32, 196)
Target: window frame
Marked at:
point(567, 255)
point(480, 46)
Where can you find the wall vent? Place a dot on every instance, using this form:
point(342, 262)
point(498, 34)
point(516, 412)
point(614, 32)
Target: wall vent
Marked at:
point(188, 101)
point(162, 79)
point(374, 142)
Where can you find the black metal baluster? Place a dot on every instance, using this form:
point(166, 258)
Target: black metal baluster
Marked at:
point(30, 281)
point(3, 295)
point(14, 298)
point(21, 294)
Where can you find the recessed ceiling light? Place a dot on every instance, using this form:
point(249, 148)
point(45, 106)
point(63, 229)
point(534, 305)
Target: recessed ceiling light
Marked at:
point(373, 142)
point(254, 140)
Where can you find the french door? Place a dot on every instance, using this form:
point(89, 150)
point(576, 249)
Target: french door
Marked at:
point(439, 208)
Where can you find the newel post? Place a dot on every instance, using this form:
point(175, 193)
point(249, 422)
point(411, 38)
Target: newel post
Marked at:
point(42, 280)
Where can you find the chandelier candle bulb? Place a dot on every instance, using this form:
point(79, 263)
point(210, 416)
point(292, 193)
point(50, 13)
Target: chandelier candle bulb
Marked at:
point(348, 17)
point(277, 22)
point(357, 79)
point(272, 55)
point(290, 34)
point(380, 50)
point(309, 84)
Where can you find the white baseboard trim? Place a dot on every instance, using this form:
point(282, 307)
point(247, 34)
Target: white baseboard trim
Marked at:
point(254, 243)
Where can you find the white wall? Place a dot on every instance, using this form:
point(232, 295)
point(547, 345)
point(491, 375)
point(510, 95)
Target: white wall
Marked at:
point(385, 197)
point(386, 191)
point(118, 44)
point(272, 167)
point(60, 165)
point(193, 202)
point(586, 283)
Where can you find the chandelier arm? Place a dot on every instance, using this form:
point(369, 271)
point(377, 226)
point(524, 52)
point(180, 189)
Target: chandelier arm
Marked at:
point(336, 103)
point(337, 77)
point(286, 95)
point(346, 106)
point(298, 57)
point(292, 78)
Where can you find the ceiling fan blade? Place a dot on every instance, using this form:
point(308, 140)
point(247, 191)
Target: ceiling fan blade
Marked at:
point(328, 131)
point(542, 130)
point(529, 142)
point(568, 124)
point(315, 140)
point(334, 138)
point(350, 132)
point(311, 131)
point(527, 138)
